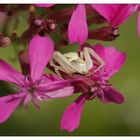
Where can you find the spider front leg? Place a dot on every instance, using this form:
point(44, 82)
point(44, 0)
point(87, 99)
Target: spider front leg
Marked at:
point(88, 60)
point(97, 57)
point(56, 68)
point(58, 73)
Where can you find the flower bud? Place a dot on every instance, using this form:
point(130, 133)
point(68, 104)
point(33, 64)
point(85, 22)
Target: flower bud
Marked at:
point(39, 26)
point(4, 41)
point(50, 25)
point(104, 34)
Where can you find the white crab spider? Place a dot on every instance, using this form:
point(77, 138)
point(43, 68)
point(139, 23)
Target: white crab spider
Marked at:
point(73, 63)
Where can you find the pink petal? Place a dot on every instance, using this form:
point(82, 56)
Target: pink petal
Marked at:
point(44, 5)
point(47, 78)
point(113, 59)
point(139, 23)
point(52, 83)
point(8, 104)
point(71, 117)
point(112, 95)
point(35, 103)
point(40, 52)
point(115, 14)
point(123, 14)
point(78, 29)
point(64, 92)
point(7, 73)
point(51, 77)
point(108, 11)
point(27, 99)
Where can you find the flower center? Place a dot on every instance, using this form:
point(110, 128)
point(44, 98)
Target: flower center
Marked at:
point(92, 86)
point(31, 89)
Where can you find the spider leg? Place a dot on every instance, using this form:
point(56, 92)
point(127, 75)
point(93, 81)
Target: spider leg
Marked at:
point(55, 66)
point(58, 73)
point(82, 55)
point(96, 56)
point(63, 62)
point(88, 60)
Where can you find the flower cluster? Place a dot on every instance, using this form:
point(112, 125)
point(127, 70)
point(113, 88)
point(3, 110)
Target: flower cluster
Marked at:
point(85, 72)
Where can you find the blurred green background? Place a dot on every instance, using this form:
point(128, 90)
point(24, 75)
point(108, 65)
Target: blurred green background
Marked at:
point(97, 118)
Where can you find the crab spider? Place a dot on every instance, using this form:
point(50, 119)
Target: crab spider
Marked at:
point(74, 63)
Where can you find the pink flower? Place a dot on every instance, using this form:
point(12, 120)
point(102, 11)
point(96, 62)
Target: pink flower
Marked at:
point(35, 86)
point(117, 14)
point(95, 85)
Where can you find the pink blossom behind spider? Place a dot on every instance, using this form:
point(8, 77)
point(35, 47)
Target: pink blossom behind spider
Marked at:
point(96, 85)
